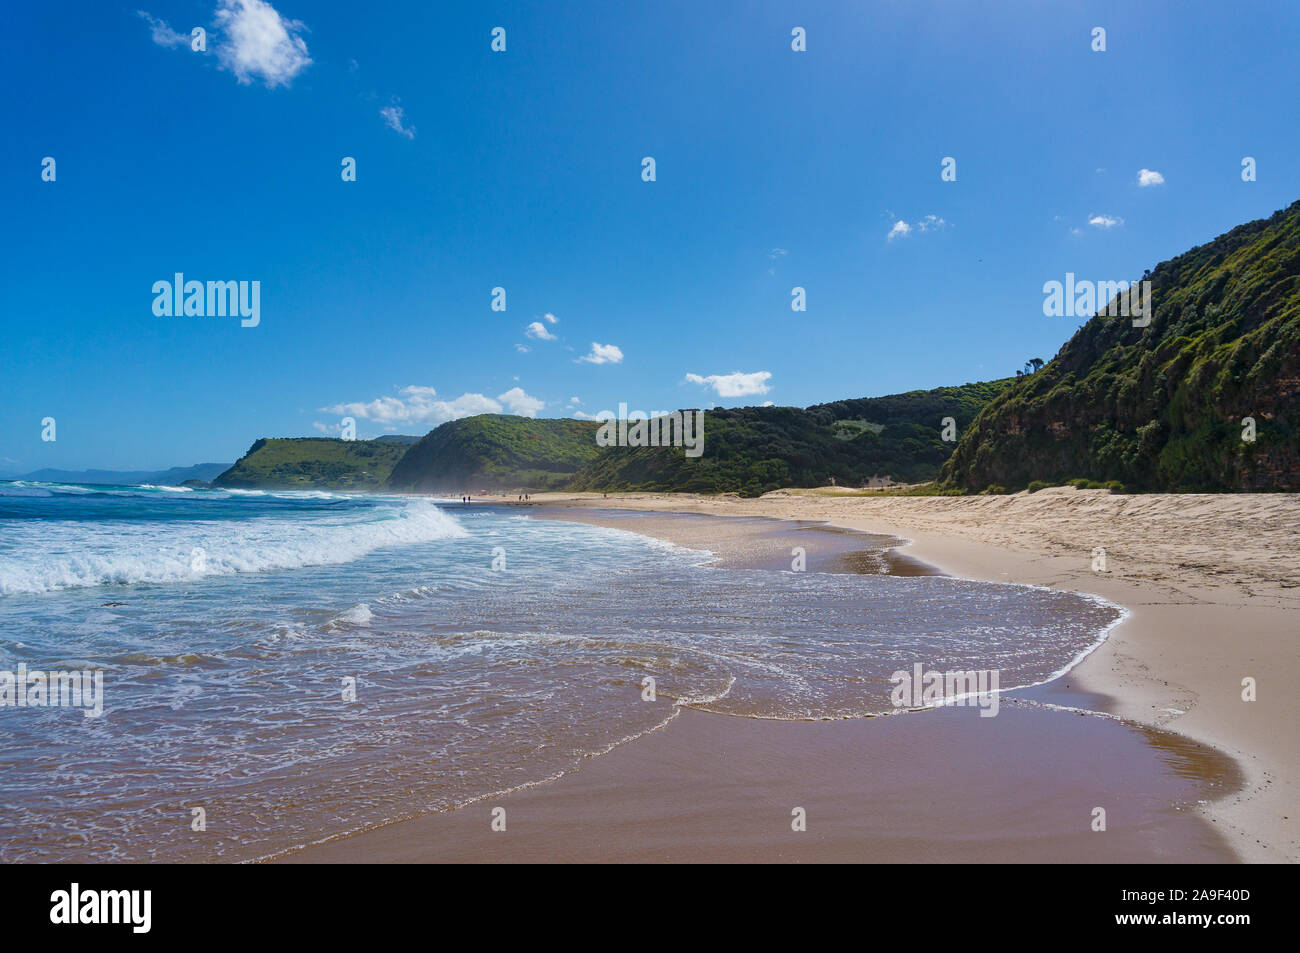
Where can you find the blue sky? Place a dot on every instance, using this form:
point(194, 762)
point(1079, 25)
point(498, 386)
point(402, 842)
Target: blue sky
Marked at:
point(523, 169)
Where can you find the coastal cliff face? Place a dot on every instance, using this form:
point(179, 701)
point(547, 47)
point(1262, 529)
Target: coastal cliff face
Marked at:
point(1205, 398)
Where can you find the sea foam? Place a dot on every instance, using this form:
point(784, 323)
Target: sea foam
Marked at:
point(81, 554)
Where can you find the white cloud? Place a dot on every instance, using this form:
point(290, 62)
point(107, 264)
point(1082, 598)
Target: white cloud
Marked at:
point(161, 33)
point(1149, 177)
point(259, 43)
point(550, 318)
point(518, 402)
point(538, 330)
point(603, 354)
point(575, 400)
point(735, 384)
point(419, 405)
point(930, 223)
point(768, 403)
point(394, 117)
point(522, 348)
point(579, 415)
point(1104, 221)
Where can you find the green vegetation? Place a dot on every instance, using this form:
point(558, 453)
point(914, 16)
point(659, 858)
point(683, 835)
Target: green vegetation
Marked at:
point(751, 450)
point(497, 452)
point(747, 450)
point(1080, 483)
point(405, 440)
point(316, 462)
point(848, 429)
point(902, 489)
point(1163, 407)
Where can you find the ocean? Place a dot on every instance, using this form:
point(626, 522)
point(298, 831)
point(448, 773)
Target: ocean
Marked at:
point(282, 668)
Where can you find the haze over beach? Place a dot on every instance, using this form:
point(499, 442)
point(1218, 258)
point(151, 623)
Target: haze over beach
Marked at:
point(651, 434)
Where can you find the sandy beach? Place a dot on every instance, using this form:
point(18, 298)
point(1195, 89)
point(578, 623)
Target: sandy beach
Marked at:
point(1188, 771)
point(1210, 581)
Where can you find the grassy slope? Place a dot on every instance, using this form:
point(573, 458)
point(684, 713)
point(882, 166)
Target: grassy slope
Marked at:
point(315, 462)
point(496, 452)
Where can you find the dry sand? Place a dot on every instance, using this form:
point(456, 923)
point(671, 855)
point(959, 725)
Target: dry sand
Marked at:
point(1212, 582)
point(1208, 580)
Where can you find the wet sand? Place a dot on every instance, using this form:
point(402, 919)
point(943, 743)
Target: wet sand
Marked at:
point(1212, 582)
point(926, 787)
point(943, 785)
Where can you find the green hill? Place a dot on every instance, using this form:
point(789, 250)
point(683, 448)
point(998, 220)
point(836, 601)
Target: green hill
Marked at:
point(1161, 407)
point(316, 462)
point(751, 450)
point(496, 452)
point(748, 450)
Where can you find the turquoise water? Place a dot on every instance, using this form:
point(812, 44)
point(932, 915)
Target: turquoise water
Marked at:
point(227, 623)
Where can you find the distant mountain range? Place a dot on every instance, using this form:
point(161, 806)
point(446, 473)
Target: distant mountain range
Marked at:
point(170, 477)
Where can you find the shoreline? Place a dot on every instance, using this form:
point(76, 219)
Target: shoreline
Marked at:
point(1163, 664)
point(961, 809)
